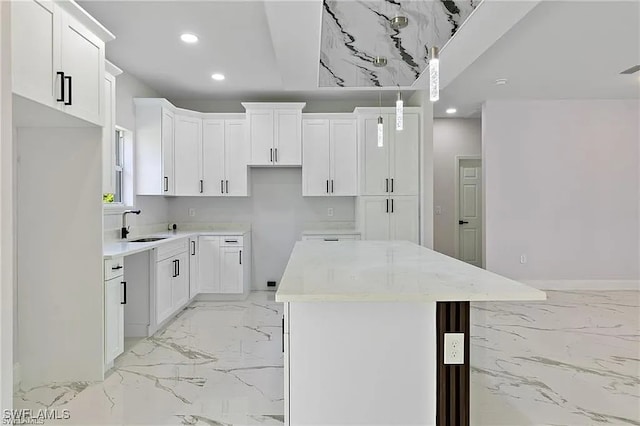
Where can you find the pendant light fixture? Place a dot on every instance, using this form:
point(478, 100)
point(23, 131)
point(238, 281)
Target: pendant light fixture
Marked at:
point(399, 111)
point(380, 122)
point(434, 75)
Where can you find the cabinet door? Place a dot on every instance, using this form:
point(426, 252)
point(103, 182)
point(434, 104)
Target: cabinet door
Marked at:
point(236, 156)
point(33, 36)
point(209, 264)
point(261, 136)
point(187, 148)
point(231, 276)
point(288, 134)
point(165, 271)
point(168, 121)
point(194, 286)
point(113, 319)
point(375, 159)
point(404, 219)
point(213, 157)
point(108, 135)
point(82, 60)
point(180, 284)
point(344, 158)
point(315, 158)
point(405, 158)
point(375, 218)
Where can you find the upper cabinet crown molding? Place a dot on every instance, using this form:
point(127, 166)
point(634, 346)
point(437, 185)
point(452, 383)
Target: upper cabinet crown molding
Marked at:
point(83, 17)
point(112, 69)
point(273, 105)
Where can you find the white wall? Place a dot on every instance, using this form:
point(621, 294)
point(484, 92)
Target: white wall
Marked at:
point(7, 281)
point(561, 186)
point(276, 211)
point(451, 137)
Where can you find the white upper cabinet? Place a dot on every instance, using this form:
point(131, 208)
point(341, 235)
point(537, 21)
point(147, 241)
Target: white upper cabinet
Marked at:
point(275, 133)
point(213, 157)
point(329, 165)
point(58, 57)
point(392, 169)
point(187, 148)
point(225, 153)
point(108, 135)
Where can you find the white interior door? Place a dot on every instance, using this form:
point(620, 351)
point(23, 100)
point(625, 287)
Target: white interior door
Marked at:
point(187, 147)
point(344, 158)
point(404, 218)
point(405, 158)
point(470, 212)
point(375, 159)
point(236, 154)
point(315, 158)
point(213, 157)
point(375, 217)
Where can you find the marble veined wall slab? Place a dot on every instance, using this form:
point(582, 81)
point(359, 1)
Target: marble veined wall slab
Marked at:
point(354, 32)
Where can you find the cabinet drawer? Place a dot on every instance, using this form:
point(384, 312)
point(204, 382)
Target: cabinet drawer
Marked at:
point(173, 248)
point(231, 241)
point(113, 268)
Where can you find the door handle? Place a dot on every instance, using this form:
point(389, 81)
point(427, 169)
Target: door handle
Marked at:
point(332, 186)
point(283, 334)
point(392, 205)
point(166, 184)
point(241, 257)
point(327, 186)
point(226, 184)
point(68, 78)
point(201, 186)
point(391, 184)
point(387, 205)
point(222, 187)
point(178, 263)
point(175, 269)
point(61, 98)
point(271, 155)
point(462, 222)
point(193, 248)
point(276, 156)
point(386, 185)
point(124, 301)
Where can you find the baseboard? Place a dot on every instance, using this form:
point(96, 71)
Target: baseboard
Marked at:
point(595, 285)
point(17, 378)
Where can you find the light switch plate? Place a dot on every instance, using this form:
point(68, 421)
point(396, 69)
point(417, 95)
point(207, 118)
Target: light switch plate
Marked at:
point(454, 348)
point(192, 212)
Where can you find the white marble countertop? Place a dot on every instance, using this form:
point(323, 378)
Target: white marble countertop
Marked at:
point(381, 271)
point(120, 248)
point(331, 232)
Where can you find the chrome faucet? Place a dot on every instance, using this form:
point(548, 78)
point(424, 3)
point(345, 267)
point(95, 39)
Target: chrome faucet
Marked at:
point(125, 228)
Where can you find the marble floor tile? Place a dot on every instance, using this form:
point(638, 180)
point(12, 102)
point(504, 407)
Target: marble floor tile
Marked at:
point(571, 360)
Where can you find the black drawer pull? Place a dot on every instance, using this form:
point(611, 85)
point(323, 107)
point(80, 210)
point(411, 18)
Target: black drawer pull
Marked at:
point(115, 268)
point(230, 241)
point(331, 239)
point(193, 248)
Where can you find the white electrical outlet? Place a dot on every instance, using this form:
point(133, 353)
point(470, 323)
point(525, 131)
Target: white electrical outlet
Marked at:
point(454, 348)
point(330, 212)
point(523, 258)
point(192, 212)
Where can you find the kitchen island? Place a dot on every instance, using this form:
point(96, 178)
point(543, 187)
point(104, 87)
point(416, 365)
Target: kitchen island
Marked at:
point(363, 332)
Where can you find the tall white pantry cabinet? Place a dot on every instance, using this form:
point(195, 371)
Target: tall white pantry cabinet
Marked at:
point(388, 206)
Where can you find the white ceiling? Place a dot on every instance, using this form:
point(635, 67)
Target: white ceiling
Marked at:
point(559, 50)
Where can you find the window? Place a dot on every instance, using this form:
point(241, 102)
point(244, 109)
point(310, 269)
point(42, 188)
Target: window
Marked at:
point(119, 165)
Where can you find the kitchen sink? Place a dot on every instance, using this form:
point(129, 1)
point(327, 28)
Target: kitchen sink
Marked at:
point(148, 239)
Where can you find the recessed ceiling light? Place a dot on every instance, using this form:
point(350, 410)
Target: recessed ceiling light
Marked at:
point(189, 38)
point(451, 110)
point(217, 76)
point(501, 81)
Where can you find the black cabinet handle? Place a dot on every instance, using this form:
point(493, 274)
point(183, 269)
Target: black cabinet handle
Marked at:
point(391, 184)
point(283, 334)
point(68, 78)
point(193, 248)
point(226, 184)
point(386, 185)
point(178, 263)
point(327, 186)
point(230, 241)
point(462, 222)
point(332, 186)
point(201, 186)
point(276, 156)
point(271, 155)
point(387, 205)
point(124, 301)
point(392, 205)
point(222, 187)
point(115, 268)
point(61, 98)
point(166, 184)
point(175, 269)
point(241, 257)
point(331, 239)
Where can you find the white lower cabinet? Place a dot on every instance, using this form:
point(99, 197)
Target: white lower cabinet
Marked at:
point(224, 265)
point(115, 297)
point(172, 279)
point(389, 218)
